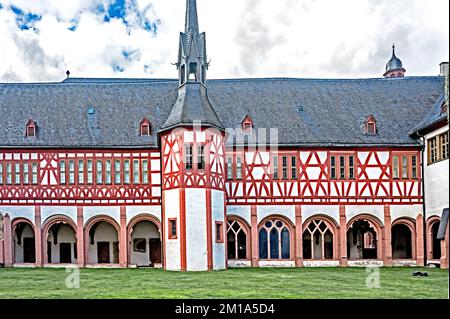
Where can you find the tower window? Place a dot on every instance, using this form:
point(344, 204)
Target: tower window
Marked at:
point(30, 129)
point(188, 157)
point(145, 127)
point(219, 232)
point(201, 157)
point(173, 228)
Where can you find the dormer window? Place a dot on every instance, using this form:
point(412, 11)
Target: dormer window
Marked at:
point(30, 129)
point(371, 126)
point(444, 108)
point(247, 125)
point(145, 129)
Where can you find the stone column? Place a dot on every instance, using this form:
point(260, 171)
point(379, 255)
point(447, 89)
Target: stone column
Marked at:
point(343, 261)
point(123, 241)
point(420, 251)
point(255, 252)
point(298, 236)
point(387, 258)
point(445, 250)
point(81, 257)
point(38, 236)
point(7, 241)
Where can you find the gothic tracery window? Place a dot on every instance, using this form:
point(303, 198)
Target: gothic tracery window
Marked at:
point(274, 240)
point(317, 241)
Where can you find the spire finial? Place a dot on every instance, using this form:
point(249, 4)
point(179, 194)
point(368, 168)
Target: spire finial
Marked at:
point(191, 16)
point(393, 48)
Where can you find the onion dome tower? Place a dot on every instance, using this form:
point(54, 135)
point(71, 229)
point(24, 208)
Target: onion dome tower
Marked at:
point(394, 68)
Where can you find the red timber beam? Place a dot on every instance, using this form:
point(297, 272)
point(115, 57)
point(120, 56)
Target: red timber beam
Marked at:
point(298, 236)
point(38, 236)
point(343, 260)
point(387, 258)
point(254, 225)
point(420, 249)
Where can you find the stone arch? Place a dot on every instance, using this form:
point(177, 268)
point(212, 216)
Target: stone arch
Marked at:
point(281, 237)
point(89, 238)
point(246, 229)
point(433, 248)
point(331, 226)
point(23, 249)
point(410, 239)
point(47, 226)
point(153, 253)
point(376, 224)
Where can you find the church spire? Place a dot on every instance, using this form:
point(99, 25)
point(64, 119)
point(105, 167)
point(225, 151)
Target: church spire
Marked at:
point(191, 17)
point(192, 61)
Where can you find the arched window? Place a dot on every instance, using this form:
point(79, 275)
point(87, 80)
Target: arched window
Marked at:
point(145, 129)
point(237, 240)
point(274, 240)
point(317, 241)
point(30, 129)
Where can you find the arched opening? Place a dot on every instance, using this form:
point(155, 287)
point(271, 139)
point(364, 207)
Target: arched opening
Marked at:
point(24, 245)
point(145, 242)
point(436, 243)
point(102, 241)
point(193, 71)
point(61, 244)
point(363, 236)
point(238, 239)
point(402, 247)
point(318, 240)
point(275, 242)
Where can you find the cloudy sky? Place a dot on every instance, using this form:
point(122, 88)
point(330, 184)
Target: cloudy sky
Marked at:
point(41, 39)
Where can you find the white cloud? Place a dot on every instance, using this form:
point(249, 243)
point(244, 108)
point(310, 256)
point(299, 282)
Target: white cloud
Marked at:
point(246, 38)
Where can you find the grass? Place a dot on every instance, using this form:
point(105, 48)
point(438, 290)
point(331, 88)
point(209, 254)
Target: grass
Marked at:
point(263, 283)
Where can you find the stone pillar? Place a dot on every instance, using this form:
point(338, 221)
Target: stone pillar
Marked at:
point(298, 236)
point(123, 241)
point(81, 257)
point(420, 251)
point(7, 241)
point(343, 260)
point(445, 250)
point(387, 258)
point(38, 236)
point(255, 252)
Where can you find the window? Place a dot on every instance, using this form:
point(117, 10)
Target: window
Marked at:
point(414, 167)
point(317, 241)
point(219, 232)
point(293, 167)
point(275, 167)
point(351, 167)
point(229, 168)
point(71, 172)
point(284, 167)
point(438, 148)
point(236, 240)
point(8, 173)
point(34, 173)
point(238, 167)
point(117, 173)
point(90, 171)
point(145, 128)
point(274, 240)
point(108, 172)
point(26, 173)
point(443, 141)
point(172, 228)
point(247, 125)
point(371, 125)
point(126, 171)
point(444, 108)
point(433, 150)
point(144, 168)
point(405, 169)
point(395, 168)
point(30, 129)
point(62, 172)
point(99, 172)
point(201, 157)
point(333, 167)
point(1, 173)
point(405, 166)
point(136, 179)
point(188, 157)
point(342, 167)
point(17, 173)
point(80, 172)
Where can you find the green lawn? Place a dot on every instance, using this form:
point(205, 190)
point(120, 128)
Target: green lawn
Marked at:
point(234, 283)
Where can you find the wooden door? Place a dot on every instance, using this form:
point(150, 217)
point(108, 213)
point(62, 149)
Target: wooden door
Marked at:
point(155, 251)
point(103, 255)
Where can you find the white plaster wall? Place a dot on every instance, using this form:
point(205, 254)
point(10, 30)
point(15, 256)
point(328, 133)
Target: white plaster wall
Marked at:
point(145, 230)
point(436, 182)
point(411, 211)
point(172, 246)
point(218, 215)
point(19, 211)
point(48, 211)
point(241, 211)
point(18, 250)
point(286, 211)
point(133, 211)
point(65, 235)
point(111, 211)
point(312, 210)
point(375, 210)
point(196, 259)
point(105, 232)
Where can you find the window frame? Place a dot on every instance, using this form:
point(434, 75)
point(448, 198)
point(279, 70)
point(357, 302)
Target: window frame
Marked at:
point(342, 169)
point(219, 232)
point(171, 222)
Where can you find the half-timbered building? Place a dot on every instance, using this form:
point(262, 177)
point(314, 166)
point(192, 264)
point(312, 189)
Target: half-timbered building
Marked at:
point(197, 174)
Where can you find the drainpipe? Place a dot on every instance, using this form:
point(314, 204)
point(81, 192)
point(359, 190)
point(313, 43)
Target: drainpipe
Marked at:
point(424, 208)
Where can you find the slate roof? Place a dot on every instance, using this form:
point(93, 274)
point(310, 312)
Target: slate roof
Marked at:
point(307, 112)
point(433, 117)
